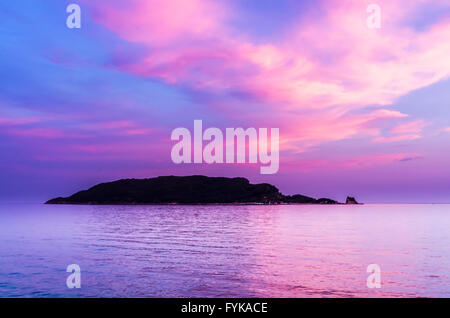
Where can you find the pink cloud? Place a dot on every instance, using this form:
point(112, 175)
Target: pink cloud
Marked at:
point(332, 127)
point(379, 159)
point(191, 43)
point(24, 127)
point(411, 127)
point(120, 127)
point(397, 138)
point(404, 132)
point(115, 124)
point(357, 162)
point(37, 132)
point(16, 121)
point(134, 132)
point(377, 67)
point(161, 22)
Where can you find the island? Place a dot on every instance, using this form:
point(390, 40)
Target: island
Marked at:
point(187, 190)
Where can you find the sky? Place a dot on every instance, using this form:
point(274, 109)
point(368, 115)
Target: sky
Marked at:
point(361, 111)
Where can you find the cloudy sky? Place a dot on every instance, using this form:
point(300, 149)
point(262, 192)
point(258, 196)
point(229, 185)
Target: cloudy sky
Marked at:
point(361, 111)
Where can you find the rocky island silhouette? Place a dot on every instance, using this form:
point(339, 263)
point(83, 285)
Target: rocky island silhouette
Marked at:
point(188, 190)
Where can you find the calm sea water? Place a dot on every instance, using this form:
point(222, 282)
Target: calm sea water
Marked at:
point(224, 251)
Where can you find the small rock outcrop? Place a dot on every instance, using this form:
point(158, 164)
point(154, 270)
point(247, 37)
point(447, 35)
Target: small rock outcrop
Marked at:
point(351, 200)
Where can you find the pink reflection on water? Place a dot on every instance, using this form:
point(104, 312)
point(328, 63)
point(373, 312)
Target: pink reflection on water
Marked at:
point(225, 251)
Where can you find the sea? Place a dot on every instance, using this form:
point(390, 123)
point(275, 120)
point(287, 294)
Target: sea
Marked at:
point(225, 251)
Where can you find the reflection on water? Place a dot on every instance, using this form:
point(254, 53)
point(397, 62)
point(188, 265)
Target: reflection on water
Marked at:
point(224, 251)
